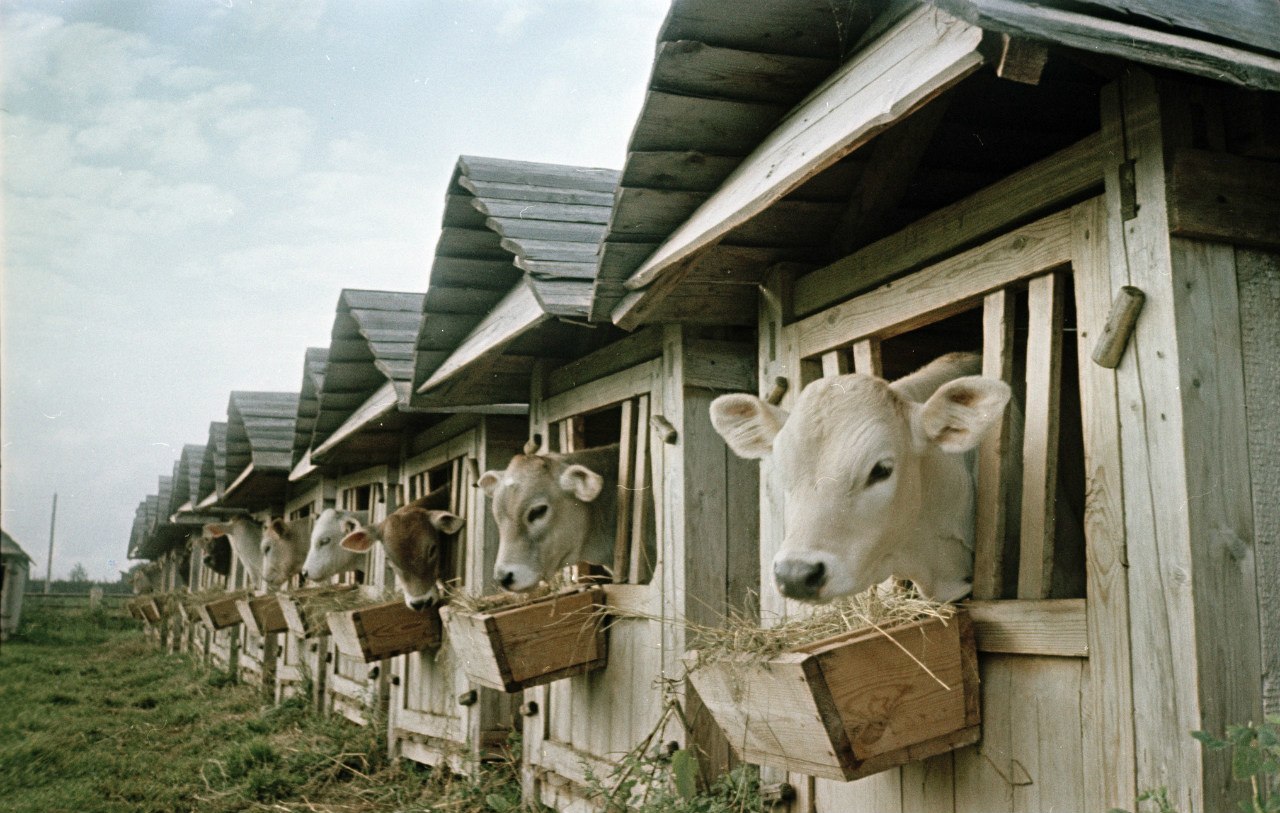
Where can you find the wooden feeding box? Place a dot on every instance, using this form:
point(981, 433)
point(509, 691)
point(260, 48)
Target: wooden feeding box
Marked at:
point(262, 614)
point(135, 609)
point(384, 630)
point(220, 613)
point(852, 705)
point(518, 646)
point(150, 609)
point(302, 619)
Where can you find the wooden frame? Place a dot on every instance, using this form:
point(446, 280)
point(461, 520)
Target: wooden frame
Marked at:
point(428, 722)
point(699, 491)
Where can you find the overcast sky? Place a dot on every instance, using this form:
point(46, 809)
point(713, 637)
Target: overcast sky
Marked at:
point(188, 185)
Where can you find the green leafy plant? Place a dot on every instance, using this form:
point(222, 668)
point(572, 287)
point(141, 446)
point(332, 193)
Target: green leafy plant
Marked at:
point(1255, 758)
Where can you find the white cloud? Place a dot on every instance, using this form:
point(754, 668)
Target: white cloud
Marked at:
point(270, 142)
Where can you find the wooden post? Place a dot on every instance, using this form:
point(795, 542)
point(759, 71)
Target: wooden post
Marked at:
point(1192, 586)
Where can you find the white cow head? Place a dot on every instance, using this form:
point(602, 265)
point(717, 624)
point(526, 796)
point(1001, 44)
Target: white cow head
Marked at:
point(877, 484)
point(411, 537)
point(327, 557)
point(246, 541)
point(284, 547)
point(543, 505)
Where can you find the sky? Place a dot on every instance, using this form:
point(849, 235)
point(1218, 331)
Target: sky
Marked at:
point(187, 186)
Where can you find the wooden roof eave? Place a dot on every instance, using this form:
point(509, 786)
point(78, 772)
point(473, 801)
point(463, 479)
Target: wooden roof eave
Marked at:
point(383, 402)
point(923, 54)
point(1183, 52)
point(256, 487)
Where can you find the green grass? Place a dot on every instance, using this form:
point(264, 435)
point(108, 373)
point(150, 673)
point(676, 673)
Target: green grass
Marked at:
point(94, 718)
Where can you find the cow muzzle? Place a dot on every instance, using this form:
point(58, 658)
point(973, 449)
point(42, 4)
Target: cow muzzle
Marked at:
point(800, 578)
point(516, 578)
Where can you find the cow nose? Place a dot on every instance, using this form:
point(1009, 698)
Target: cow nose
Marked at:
point(799, 579)
point(506, 578)
point(304, 575)
point(418, 603)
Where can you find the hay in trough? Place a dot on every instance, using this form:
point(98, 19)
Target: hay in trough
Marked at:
point(464, 602)
point(199, 597)
point(336, 598)
point(873, 610)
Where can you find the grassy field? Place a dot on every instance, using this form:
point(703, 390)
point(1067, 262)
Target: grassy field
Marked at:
point(94, 719)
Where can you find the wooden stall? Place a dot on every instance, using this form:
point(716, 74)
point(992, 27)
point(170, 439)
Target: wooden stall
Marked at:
point(648, 393)
point(310, 491)
point(993, 180)
point(357, 439)
point(221, 647)
point(260, 435)
point(14, 566)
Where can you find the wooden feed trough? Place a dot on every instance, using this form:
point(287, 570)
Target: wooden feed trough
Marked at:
point(220, 613)
point(299, 617)
point(150, 609)
point(531, 643)
point(384, 630)
point(852, 705)
point(134, 606)
point(262, 614)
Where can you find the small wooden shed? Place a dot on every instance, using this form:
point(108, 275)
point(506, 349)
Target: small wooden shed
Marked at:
point(14, 567)
point(984, 174)
point(682, 496)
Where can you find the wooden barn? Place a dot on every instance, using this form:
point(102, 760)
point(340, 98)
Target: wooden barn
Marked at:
point(222, 646)
point(260, 434)
point(14, 567)
point(589, 386)
point(873, 185)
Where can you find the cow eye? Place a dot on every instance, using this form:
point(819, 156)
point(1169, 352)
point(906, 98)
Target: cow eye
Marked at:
point(880, 471)
point(536, 513)
point(266, 548)
point(322, 542)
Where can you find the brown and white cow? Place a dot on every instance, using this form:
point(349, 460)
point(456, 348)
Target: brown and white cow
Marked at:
point(412, 535)
point(284, 548)
point(246, 540)
point(144, 578)
point(553, 510)
point(877, 476)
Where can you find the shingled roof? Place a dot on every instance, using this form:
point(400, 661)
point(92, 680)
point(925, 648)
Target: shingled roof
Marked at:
point(313, 366)
point(260, 429)
point(213, 466)
point(370, 362)
point(512, 278)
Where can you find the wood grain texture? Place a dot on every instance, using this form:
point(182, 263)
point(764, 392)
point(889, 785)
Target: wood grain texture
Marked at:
point(1258, 279)
point(1222, 197)
point(994, 455)
point(1045, 627)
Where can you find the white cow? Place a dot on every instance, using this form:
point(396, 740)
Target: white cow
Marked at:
point(284, 547)
point(877, 477)
point(327, 557)
point(553, 510)
point(246, 541)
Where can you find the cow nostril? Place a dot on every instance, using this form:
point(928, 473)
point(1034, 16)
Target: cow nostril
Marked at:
point(508, 579)
point(817, 576)
point(304, 575)
point(417, 604)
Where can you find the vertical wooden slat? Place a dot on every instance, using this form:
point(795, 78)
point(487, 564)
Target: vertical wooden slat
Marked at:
point(622, 531)
point(1040, 437)
point(994, 456)
point(1108, 688)
point(866, 357)
point(834, 362)
point(639, 568)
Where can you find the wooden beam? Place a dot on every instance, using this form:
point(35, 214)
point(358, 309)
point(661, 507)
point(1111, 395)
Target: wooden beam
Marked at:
point(1045, 297)
point(887, 176)
point(917, 59)
point(946, 288)
point(1221, 197)
point(1178, 52)
point(1052, 627)
point(1021, 60)
point(516, 313)
point(1042, 187)
point(995, 458)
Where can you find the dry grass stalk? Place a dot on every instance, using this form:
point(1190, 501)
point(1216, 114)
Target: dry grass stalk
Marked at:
point(341, 598)
point(193, 600)
point(465, 602)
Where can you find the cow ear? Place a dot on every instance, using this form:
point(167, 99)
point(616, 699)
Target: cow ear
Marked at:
point(357, 541)
point(349, 524)
point(489, 481)
point(445, 522)
point(957, 415)
point(216, 529)
point(277, 527)
point(581, 482)
point(747, 423)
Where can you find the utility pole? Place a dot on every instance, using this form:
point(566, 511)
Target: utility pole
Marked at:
point(53, 520)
